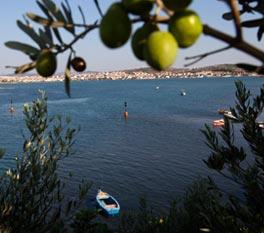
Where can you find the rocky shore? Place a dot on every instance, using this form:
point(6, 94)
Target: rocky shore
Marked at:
point(144, 73)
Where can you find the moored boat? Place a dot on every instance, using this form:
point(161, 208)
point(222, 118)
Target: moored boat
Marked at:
point(227, 114)
point(260, 125)
point(107, 203)
point(217, 123)
point(230, 116)
point(183, 92)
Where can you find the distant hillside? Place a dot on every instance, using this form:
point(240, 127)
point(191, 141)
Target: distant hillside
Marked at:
point(218, 68)
point(221, 67)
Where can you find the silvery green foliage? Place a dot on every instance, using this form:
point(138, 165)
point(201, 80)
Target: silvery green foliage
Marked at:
point(31, 193)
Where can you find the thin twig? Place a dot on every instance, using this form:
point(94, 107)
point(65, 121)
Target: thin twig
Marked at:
point(199, 57)
point(80, 36)
point(236, 15)
point(241, 45)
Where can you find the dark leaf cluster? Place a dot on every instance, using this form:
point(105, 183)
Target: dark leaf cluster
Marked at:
point(48, 36)
point(252, 7)
point(242, 164)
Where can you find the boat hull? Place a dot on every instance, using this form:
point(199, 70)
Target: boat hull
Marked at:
point(107, 204)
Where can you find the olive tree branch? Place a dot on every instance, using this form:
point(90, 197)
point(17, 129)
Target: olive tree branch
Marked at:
point(199, 57)
point(207, 30)
point(83, 34)
point(236, 15)
point(232, 41)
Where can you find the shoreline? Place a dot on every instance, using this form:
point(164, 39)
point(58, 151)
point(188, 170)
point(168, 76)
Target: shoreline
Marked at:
point(220, 71)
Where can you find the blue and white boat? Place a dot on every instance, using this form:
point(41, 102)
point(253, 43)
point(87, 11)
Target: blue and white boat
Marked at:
point(107, 203)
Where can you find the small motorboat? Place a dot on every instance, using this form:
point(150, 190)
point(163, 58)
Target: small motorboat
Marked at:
point(183, 92)
point(230, 116)
point(217, 123)
point(227, 114)
point(107, 203)
point(260, 125)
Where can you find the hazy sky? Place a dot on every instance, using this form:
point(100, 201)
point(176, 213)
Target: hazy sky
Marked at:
point(98, 57)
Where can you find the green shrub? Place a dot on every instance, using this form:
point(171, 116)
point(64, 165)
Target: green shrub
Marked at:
point(31, 193)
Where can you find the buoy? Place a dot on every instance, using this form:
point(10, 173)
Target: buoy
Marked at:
point(126, 114)
point(11, 109)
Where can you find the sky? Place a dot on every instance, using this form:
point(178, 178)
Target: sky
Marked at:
point(100, 58)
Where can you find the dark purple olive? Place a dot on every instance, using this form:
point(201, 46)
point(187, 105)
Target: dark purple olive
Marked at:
point(78, 64)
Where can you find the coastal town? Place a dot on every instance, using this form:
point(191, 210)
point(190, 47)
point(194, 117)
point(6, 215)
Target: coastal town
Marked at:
point(224, 70)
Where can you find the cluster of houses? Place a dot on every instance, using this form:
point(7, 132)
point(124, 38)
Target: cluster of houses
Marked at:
point(144, 73)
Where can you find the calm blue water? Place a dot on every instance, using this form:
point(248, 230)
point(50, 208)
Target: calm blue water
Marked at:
point(156, 153)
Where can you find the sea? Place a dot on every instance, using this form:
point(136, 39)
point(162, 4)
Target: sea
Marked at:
point(156, 153)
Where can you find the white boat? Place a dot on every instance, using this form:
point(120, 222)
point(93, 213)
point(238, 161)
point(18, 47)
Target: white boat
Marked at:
point(219, 122)
point(183, 92)
point(260, 125)
point(227, 114)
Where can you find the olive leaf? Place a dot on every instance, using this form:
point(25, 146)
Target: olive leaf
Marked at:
point(48, 22)
point(251, 68)
point(83, 189)
point(67, 76)
point(260, 32)
point(252, 23)
point(57, 13)
point(25, 48)
point(68, 14)
point(54, 10)
point(45, 37)
point(98, 7)
point(32, 34)
point(25, 68)
point(229, 15)
point(82, 14)
point(247, 67)
point(46, 12)
point(26, 20)
point(48, 33)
